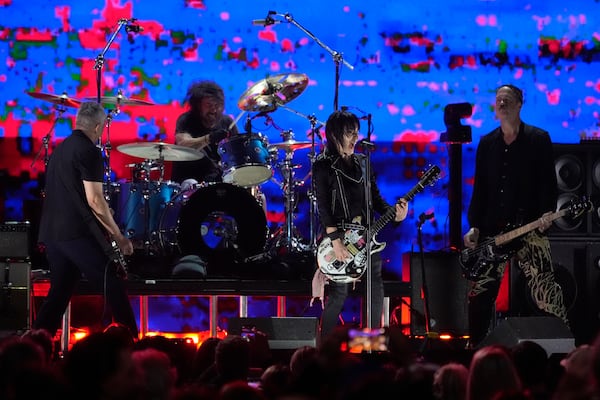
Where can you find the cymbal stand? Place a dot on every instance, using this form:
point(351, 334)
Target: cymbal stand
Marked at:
point(107, 147)
point(338, 58)
point(46, 139)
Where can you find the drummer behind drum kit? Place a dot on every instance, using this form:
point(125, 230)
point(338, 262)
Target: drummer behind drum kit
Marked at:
point(211, 220)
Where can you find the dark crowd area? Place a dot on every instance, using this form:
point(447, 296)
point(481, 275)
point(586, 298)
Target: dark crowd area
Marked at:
point(112, 364)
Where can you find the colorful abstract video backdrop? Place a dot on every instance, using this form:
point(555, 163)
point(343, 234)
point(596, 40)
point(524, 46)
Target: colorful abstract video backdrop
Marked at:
point(399, 62)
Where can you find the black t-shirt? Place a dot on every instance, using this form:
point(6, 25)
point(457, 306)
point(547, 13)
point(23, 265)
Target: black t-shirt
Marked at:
point(66, 214)
point(515, 183)
point(206, 169)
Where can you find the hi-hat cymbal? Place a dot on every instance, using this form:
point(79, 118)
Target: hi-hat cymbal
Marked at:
point(268, 93)
point(291, 145)
point(120, 100)
point(160, 150)
point(60, 99)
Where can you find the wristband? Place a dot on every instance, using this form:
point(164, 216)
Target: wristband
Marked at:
point(337, 234)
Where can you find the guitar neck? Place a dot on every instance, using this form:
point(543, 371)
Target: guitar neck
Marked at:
point(390, 214)
point(508, 236)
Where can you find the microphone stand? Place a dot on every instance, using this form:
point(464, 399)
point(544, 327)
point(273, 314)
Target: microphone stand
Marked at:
point(338, 58)
point(368, 147)
point(98, 66)
point(312, 211)
point(424, 287)
point(108, 147)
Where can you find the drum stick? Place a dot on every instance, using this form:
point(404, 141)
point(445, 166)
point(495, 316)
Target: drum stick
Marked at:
point(235, 120)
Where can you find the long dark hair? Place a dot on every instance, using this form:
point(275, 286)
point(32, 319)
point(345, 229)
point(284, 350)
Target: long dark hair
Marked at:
point(201, 89)
point(337, 124)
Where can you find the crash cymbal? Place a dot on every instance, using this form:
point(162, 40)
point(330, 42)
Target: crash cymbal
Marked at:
point(120, 100)
point(60, 99)
point(291, 145)
point(160, 150)
point(268, 93)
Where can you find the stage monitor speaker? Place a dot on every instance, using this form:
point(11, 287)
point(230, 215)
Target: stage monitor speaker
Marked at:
point(282, 333)
point(15, 296)
point(549, 332)
point(448, 294)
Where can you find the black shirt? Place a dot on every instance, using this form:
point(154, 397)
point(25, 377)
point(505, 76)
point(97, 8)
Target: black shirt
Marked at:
point(514, 184)
point(206, 169)
point(66, 214)
point(339, 187)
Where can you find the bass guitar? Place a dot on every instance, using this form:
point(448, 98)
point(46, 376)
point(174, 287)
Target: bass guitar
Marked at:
point(491, 250)
point(353, 267)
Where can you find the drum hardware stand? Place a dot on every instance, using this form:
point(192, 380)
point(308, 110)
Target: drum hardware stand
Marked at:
point(338, 58)
point(293, 242)
point(46, 139)
point(315, 126)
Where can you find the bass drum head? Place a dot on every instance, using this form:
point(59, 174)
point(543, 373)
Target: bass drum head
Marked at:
point(222, 222)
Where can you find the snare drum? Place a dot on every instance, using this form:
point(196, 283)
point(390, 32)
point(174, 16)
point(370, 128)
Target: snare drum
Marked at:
point(214, 221)
point(245, 160)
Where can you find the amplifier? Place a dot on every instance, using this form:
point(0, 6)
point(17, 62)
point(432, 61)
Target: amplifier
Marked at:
point(14, 240)
point(15, 290)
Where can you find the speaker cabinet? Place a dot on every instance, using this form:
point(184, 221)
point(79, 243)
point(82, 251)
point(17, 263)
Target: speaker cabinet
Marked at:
point(577, 168)
point(282, 333)
point(577, 271)
point(14, 240)
point(447, 294)
point(549, 332)
point(14, 296)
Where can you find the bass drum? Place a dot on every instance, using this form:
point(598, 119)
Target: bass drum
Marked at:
point(215, 221)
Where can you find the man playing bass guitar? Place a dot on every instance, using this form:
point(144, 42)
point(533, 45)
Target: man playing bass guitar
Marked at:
point(74, 218)
point(515, 183)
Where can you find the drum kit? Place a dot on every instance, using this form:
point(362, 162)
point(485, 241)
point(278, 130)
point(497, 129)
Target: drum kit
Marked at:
point(163, 217)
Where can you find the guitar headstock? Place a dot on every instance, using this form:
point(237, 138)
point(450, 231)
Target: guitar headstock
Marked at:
point(576, 207)
point(430, 176)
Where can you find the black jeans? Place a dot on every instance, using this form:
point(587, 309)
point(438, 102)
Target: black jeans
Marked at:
point(68, 260)
point(337, 293)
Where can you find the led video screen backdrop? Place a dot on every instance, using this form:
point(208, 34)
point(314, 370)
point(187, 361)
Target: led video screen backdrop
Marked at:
point(399, 62)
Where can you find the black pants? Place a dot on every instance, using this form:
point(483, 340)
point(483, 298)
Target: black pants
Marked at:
point(337, 293)
point(68, 261)
point(535, 260)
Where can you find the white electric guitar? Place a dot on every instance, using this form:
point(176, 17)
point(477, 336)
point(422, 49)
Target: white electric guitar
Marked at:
point(352, 268)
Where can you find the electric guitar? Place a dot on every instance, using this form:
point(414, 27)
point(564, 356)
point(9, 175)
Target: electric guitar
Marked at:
point(119, 259)
point(474, 261)
point(353, 267)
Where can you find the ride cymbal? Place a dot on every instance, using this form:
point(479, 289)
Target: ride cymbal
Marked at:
point(60, 99)
point(268, 93)
point(120, 100)
point(160, 151)
point(291, 145)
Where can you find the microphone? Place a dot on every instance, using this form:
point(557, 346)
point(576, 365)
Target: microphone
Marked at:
point(265, 22)
point(424, 217)
point(133, 28)
point(366, 144)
